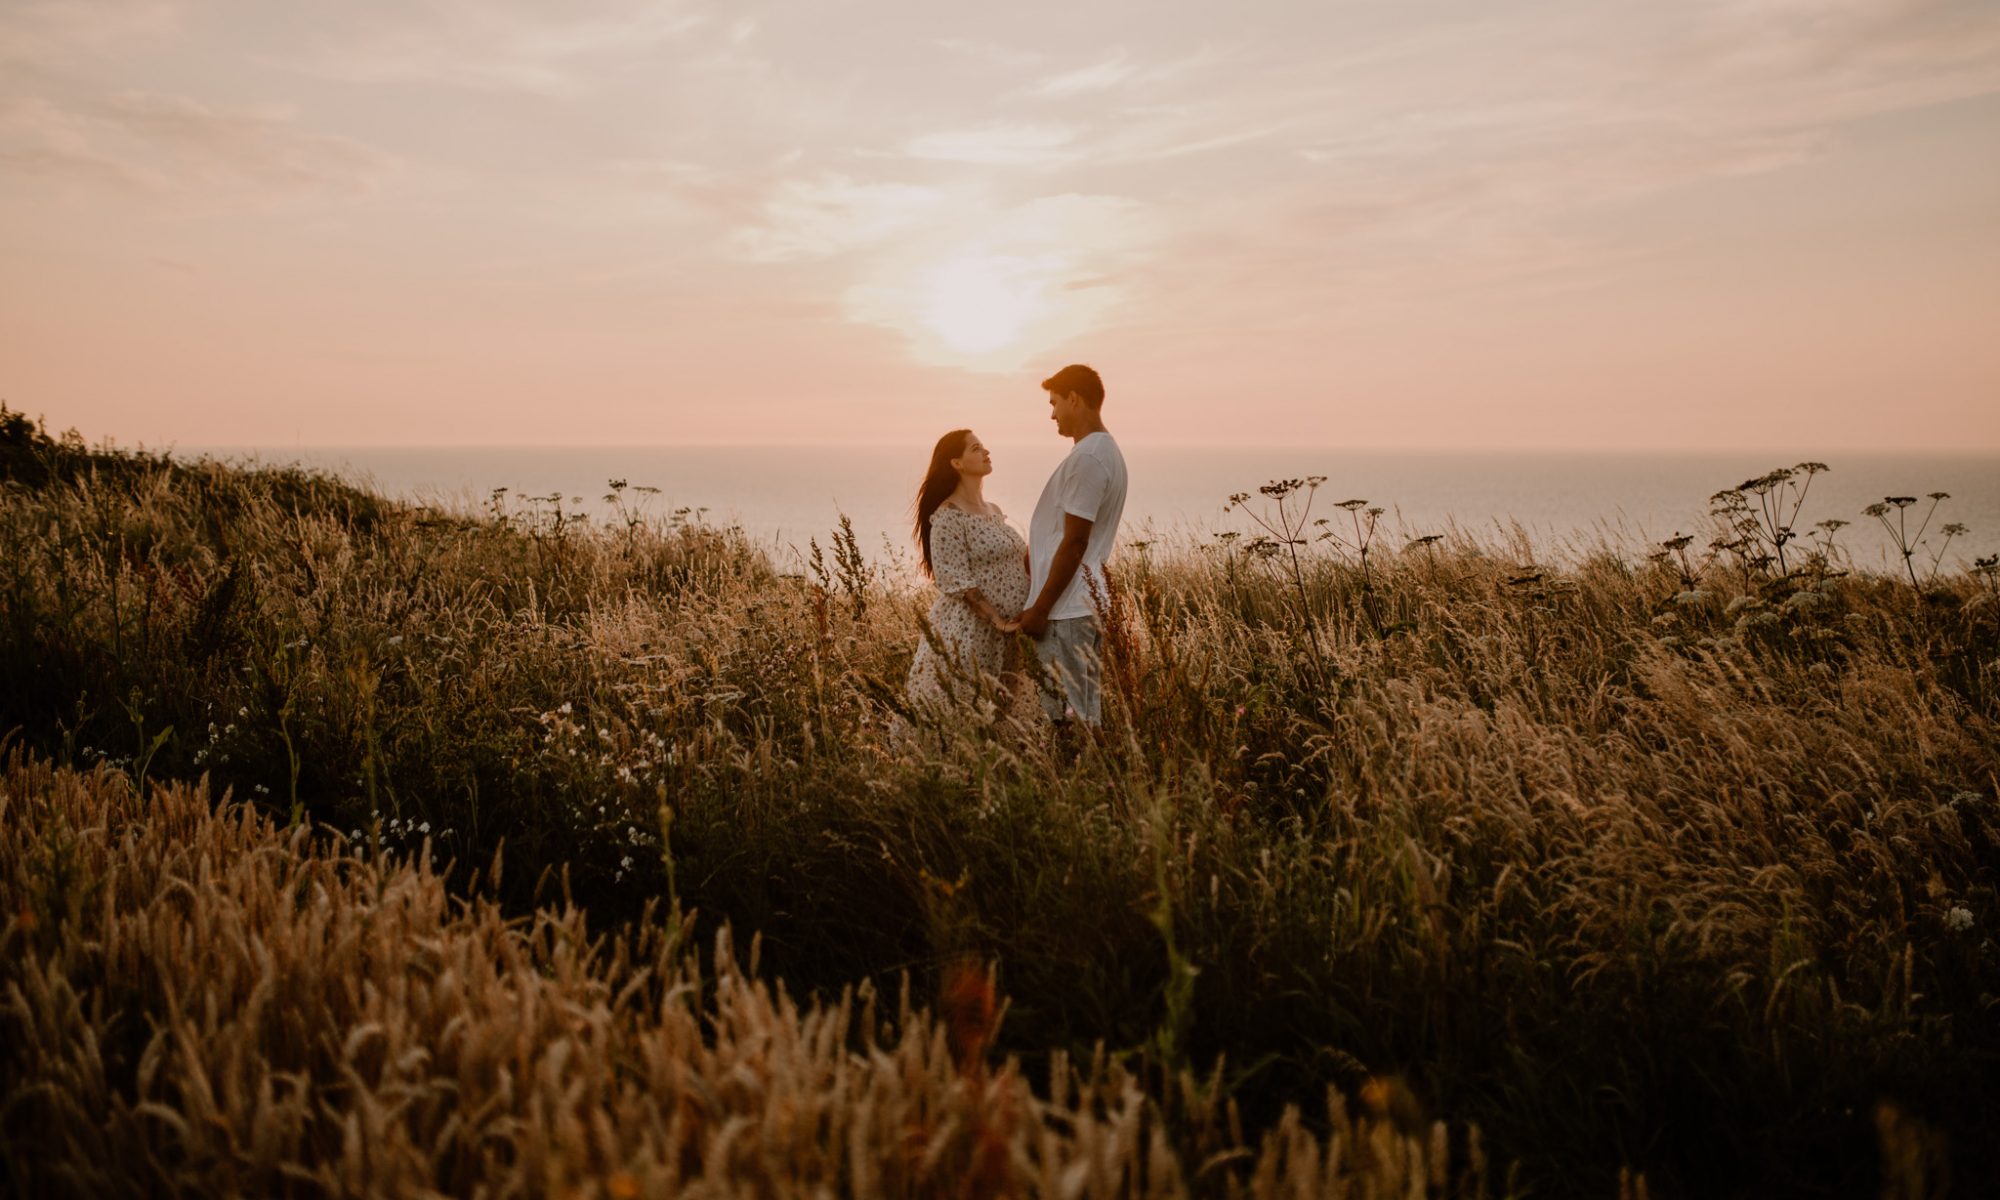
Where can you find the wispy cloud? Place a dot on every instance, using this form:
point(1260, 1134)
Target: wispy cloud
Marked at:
point(42, 140)
point(1124, 70)
point(502, 45)
point(1011, 58)
point(1419, 185)
point(1740, 89)
point(56, 30)
point(831, 214)
point(1008, 143)
point(175, 145)
point(1098, 76)
point(672, 171)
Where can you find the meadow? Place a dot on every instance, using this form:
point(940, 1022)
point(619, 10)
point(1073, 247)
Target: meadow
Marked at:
point(1409, 869)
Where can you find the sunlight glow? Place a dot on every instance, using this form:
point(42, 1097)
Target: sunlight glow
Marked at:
point(978, 303)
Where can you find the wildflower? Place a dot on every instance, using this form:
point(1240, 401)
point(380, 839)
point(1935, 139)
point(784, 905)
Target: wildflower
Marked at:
point(1959, 919)
point(565, 709)
point(1739, 604)
point(424, 828)
point(241, 712)
point(1690, 596)
point(396, 640)
point(969, 1010)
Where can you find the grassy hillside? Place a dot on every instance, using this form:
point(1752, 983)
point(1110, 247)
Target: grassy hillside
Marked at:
point(1675, 858)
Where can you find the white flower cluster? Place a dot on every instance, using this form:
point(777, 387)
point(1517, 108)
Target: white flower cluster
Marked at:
point(396, 832)
point(216, 736)
point(636, 764)
point(117, 762)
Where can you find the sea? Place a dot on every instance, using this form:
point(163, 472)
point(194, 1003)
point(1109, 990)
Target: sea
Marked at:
point(1540, 505)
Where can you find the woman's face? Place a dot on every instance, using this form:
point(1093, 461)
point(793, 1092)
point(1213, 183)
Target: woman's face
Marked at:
point(974, 460)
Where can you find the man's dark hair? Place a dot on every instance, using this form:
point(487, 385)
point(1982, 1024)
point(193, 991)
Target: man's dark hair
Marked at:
point(1079, 379)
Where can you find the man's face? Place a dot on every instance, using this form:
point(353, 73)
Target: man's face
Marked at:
point(1064, 411)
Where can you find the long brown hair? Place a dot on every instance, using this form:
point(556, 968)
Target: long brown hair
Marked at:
point(940, 481)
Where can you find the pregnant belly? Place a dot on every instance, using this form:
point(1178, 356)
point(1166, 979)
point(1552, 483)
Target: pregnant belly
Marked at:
point(1010, 591)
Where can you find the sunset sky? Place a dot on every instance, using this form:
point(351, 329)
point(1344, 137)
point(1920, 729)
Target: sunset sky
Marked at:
point(1599, 223)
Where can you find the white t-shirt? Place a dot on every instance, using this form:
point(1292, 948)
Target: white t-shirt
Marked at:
point(1091, 484)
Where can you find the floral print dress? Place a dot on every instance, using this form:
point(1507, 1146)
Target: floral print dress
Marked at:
point(968, 550)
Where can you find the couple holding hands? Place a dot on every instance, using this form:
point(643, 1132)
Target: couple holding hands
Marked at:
point(993, 584)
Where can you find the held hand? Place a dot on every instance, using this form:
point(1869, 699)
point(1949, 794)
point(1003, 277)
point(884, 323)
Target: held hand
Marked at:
point(1033, 623)
point(1007, 624)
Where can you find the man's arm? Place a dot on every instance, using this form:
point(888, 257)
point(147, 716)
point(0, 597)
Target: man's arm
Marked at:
point(1069, 556)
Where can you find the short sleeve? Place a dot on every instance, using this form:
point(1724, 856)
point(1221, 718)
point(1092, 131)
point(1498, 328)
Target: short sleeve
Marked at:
point(1084, 487)
point(951, 554)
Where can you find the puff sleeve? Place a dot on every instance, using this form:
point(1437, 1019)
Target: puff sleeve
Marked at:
point(951, 552)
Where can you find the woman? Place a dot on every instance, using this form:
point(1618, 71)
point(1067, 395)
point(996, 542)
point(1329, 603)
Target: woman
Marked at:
point(980, 565)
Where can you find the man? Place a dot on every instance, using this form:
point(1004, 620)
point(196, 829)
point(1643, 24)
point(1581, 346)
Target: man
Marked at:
point(1069, 540)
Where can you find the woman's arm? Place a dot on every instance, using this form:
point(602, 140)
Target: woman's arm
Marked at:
point(976, 600)
point(951, 559)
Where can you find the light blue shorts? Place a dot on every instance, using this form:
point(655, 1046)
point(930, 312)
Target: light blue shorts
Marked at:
point(1072, 659)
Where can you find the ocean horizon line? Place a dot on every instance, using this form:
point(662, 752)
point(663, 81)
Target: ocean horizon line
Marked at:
point(1804, 454)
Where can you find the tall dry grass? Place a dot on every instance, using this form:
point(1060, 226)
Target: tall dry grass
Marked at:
point(1673, 862)
point(197, 1001)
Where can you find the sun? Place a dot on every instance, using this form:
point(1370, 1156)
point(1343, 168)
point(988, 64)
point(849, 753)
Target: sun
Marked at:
point(979, 303)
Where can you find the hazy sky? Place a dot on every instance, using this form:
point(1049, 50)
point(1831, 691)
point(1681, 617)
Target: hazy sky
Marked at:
point(1728, 223)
